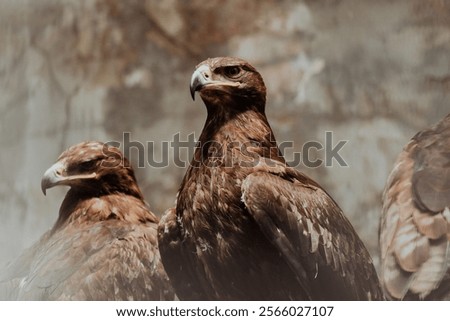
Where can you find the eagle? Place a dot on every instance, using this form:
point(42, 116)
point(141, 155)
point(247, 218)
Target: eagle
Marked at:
point(415, 222)
point(246, 226)
point(103, 245)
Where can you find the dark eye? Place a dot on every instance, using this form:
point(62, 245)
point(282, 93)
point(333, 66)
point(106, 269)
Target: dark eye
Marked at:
point(88, 165)
point(232, 71)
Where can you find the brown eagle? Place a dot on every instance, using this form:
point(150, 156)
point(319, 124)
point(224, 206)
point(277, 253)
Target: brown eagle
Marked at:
point(103, 245)
point(247, 226)
point(415, 223)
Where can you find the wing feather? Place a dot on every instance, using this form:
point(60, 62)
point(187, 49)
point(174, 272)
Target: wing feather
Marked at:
point(414, 230)
point(102, 261)
point(292, 212)
point(189, 286)
point(109, 259)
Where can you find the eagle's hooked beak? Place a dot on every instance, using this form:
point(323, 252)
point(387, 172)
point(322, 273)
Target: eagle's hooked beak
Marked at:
point(52, 176)
point(200, 77)
point(57, 175)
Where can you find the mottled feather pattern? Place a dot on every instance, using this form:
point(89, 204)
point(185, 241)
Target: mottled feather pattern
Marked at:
point(414, 229)
point(316, 225)
point(119, 263)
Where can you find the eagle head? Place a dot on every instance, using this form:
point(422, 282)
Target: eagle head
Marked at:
point(228, 81)
point(92, 167)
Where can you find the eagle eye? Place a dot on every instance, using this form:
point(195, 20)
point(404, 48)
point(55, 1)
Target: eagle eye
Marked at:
point(232, 71)
point(87, 165)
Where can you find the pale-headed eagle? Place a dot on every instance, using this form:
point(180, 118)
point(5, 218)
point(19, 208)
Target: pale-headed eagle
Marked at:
point(247, 226)
point(103, 245)
point(415, 223)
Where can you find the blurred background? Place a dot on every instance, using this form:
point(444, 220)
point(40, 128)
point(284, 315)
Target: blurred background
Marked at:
point(372, 72)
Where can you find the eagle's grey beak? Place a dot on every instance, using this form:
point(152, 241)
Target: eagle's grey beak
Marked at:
point(200, 77)
point(52, 177)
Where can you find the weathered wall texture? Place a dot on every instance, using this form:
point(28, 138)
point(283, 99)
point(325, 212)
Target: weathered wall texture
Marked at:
point(371, 72)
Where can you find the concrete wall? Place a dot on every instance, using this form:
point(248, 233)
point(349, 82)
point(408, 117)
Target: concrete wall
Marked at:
point(371, 72)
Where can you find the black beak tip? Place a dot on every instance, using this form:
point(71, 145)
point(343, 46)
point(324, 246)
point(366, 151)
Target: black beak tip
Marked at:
point(44, 186)
point(44, 190)
point(193, 93)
